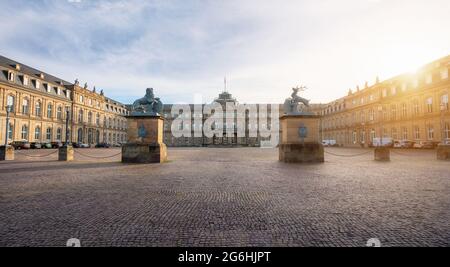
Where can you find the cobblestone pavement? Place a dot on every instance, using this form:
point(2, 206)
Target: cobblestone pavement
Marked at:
point(225, 197)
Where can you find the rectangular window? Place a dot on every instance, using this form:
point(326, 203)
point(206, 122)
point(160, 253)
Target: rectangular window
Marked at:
point(444, 74)
point(404, 110)
point(394, 133)
point(430, 132)
point(444, 102)
point(430, 105)
point(416, 107)
point(416, 133)
point(405, 133)
point(393, 112)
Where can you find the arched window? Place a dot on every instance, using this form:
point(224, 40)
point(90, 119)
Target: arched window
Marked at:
point(37, 133)
point(59, 115)
point(25, 106)
point(80, 135)
point(49, 134)
point(10, 102)
point(24, 132)
point(80, 115)
point(59, 134)
point(38, 109)
point(10, 131)
point(49, 111)
point(90, 117)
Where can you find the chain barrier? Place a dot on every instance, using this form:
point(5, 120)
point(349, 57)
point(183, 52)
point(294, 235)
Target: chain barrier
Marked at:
point(97, 157)
point(401, 153)
point(35, 156)
point(350, 155)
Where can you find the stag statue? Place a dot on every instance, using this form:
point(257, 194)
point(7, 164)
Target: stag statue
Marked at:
point(292, 105)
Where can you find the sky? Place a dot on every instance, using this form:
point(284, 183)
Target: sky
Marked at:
point(184, 49)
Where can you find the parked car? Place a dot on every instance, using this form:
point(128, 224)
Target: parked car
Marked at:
point(36, 145)
point(103, 145)
point(384, 142)
point(82, 145)
point(56, 144)
point(406, 144)
point(397, 144)
point(430, 145)
point(21, 145)
point(47, 145)
point(418, 144)
point(329, 143)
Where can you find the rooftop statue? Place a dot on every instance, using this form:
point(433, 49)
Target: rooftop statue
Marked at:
point(149, 105)
point(292, 105)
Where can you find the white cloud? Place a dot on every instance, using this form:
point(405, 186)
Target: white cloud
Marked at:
point(264, 48)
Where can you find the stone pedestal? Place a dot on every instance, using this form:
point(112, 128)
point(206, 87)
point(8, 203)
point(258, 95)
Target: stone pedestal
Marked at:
point(65, 153)
point(6, 153)
point(443, 152)
point(382, 154)
point(300, 139)
point(145, 140)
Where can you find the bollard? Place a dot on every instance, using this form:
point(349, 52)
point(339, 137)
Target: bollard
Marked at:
point(382, 154)
point(6, 153)
point(443, 152)
point(65, 153)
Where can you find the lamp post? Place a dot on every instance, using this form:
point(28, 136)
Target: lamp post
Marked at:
point(8, 110)
point(67, 126)
point(380, 109)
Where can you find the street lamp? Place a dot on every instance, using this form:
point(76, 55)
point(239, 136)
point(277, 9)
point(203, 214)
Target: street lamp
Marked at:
point(8, 110)
point(380, 109)
point(67, 127)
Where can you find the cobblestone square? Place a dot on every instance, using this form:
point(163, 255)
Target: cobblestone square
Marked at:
point(225, 197)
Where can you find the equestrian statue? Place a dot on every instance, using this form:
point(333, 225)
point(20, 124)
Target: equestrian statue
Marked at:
point(149, 105)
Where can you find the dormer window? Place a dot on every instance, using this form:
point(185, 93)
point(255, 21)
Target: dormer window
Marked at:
point(41, 75)
point(58, 90)
point(17, 66)
point(36, 83)
point(25, 80)
point(67, 93)
point(81, 98)
point(10, 76)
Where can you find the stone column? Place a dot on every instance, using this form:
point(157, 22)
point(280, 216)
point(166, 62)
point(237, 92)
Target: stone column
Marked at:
point(382, 154)
point(65, 153)
point(145, 140)
point(6, 153)
point(300, 139)
point(443, 152)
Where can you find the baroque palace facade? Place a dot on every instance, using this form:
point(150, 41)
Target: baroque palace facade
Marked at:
point(412, 106)
point(39, 103)
point(251, 120)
